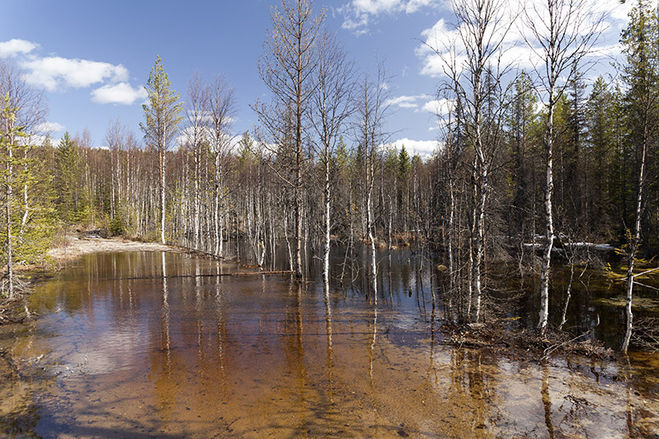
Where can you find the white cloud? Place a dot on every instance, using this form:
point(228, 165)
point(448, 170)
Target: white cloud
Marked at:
point(186, 134)
point(57, 73)
point(53, 72)
point(375, 6)
point(15, 47)
point(438, 39)
point(424, 148)
point(615, 10)
point(120, 93)
point(413, 6)
point(406, 101)
point(440, 107)
point(358, 12)
point(49, 127)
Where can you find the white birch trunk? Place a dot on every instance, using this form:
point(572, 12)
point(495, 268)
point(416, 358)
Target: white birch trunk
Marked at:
point(549, 231)
point(635, 239)
point(162, 196)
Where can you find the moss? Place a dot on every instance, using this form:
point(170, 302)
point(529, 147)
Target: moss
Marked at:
point(639, 303)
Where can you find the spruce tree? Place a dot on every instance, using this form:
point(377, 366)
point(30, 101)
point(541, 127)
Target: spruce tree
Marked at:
point(68, 179)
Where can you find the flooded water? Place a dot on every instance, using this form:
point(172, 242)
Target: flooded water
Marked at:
point(156, 344)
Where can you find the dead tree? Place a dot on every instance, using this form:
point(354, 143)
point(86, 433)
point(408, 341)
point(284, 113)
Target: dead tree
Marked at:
point(481, 34)
point(196, 133)
point(287, 69)
point(221, 107)
point(560, 33)
point(332, 105)
point(371, 110)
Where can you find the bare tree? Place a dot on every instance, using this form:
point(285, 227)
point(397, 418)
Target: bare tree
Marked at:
point(371, 110)
point(196, 133)
point(287, 68)
point(221, 107)
point(482, 28)
point(114, 137)
point(332, 104)
point(560, 33)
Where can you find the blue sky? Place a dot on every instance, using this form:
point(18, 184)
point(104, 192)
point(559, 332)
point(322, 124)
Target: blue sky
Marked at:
point(91, 58)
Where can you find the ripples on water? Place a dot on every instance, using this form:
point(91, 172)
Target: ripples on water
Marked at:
point(133, 354)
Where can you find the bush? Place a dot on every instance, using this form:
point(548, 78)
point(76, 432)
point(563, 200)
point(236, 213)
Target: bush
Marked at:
point(116, 227)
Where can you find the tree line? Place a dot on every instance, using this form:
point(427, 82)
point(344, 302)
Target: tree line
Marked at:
point(529, 163)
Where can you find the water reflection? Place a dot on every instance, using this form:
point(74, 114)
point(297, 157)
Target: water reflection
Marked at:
point(170, 350)
point(546, 401)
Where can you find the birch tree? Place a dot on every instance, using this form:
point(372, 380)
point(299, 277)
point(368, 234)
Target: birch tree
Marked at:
point(221, 107)
point(560, 33)
point(8, 145)
point(641, 75)
point(370, 111)
point(332, 104)
point(482, 28)
point(196, 115)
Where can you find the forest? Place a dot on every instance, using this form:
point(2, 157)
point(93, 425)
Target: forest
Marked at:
point(536, 168)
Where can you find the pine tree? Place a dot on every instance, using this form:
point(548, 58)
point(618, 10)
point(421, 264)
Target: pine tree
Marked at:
point(163, 114)
point(38, 220)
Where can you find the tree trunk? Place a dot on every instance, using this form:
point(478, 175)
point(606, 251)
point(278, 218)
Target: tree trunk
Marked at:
point(26, 198)
point(635, 239)
point(326, 249)
point(9, 196)
point(369, 225)
point(162, 195)
point(196, 200)
point(549, 232)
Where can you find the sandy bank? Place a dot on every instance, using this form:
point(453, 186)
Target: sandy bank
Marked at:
point(76, 247)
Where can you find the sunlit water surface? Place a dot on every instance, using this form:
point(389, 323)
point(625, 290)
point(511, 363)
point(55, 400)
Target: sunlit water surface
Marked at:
point(126, 352)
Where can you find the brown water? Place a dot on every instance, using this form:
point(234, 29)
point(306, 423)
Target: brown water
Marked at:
point(121, 352)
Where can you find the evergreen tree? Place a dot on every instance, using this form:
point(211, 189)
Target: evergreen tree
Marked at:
point(576, 201)
point(600, 123)
point(520, 121)
point(641, 75)
point(163, 114)
point(68, 181)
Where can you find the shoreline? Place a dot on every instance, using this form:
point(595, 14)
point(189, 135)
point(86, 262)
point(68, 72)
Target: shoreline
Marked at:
point(496, 335)
point(13, 310)
point(76, 247)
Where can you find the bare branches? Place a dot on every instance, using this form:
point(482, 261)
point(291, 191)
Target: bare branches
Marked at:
point(221, 109)
point(30, 103)
point(289, 60)
point(560, 34)
point(333, 100)
point(197, 111)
